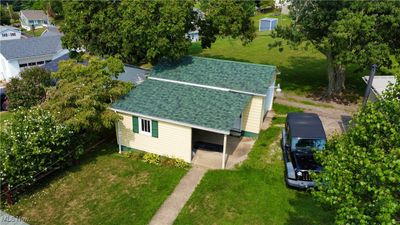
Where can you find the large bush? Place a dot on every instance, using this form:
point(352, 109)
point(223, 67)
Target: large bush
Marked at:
point(28, 90)
point(361, 177)
point(31, 144)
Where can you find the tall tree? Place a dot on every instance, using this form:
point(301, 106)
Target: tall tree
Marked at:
point(84, 92)
point(145, 31)
point(29, 89)
point(361, 173)
point(4, 16)
point(346, 32)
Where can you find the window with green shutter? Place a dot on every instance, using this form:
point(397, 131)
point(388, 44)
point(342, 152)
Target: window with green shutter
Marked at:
point(135, 124)
point(154, 128)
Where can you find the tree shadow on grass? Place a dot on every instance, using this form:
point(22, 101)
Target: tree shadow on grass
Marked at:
point(305, 74)
point(306, 212)
point(106, 148)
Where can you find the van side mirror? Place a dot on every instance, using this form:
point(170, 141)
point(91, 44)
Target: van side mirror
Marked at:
point(287, 146)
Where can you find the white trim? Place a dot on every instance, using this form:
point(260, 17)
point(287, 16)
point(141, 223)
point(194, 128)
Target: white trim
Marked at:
point(119, 137)
point(172, 121)
point(141, 131)
point(204, 86)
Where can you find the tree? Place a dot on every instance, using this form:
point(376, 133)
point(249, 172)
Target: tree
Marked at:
point(346, 32)
point(30, 89)
point(4, 16)
point(361, 173)
point(145, 31)
point(32, 143)
point(83, 93)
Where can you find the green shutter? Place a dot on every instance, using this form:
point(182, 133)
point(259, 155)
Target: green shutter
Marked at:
point(154, 128)
point(135, 124)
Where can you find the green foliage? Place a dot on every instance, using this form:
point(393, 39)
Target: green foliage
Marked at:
point(84, 92)
point(226, 18)
point(156, 159)
point(4, 16)
point(361, 173)
point(346, 32)
point(284, 109)
point(30, 89)
point(32, 142)
point(145, 31)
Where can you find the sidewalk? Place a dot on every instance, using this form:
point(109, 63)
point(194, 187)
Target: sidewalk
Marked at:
point(170, 209)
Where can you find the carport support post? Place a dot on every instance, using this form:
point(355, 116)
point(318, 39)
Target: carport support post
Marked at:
point(224, 152)
point(119, 138)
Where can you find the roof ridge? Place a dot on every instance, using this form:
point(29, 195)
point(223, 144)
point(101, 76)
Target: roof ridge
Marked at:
point(203, 86)
point(227, 60)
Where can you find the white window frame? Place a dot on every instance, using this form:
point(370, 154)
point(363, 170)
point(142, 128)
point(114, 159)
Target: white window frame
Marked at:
point(141, 131)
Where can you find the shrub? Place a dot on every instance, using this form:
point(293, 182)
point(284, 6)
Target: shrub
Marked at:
point(152, 158)
point(31, 144)
point(28, 90)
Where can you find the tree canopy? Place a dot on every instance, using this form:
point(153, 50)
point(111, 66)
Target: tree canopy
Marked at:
point(346, 32)
point(84, 92)
point(29, 89)
point(144, 31)
point(361, 173)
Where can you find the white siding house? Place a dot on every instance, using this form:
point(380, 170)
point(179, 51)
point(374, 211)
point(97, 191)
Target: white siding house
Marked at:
point(33, 18)
point(21, 53)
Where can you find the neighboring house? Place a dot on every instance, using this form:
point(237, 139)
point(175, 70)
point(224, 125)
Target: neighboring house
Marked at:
point(131, 73)
point(35, 18)
point(9, 33)
point(21, 53)
point(197, 99)
point(194, 36)
point(379, 85)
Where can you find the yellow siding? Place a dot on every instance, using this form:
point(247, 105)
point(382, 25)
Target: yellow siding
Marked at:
point(173, 140)
point(252, 115)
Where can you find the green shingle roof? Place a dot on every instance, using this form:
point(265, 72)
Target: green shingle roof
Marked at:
point(239, 76)
point(202, 107)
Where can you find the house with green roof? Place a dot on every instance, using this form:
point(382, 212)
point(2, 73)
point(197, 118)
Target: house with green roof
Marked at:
point(181, 104)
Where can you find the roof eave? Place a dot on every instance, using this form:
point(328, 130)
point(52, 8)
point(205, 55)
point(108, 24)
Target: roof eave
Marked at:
point(172, 121)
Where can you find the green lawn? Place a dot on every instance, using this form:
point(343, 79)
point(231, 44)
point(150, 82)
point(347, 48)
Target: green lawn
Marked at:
point(105, 188)
point(36, 33)
point(4, 116)
point(255, 193)
point(302, 70)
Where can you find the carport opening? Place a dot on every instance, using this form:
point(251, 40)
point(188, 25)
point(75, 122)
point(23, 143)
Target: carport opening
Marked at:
point(206, 140)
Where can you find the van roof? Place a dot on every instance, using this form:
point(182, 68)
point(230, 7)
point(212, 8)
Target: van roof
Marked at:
point(305, 125)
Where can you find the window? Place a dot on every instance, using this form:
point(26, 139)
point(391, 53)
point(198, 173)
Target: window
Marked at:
point(40, 63)
point(13, 34)
point(4, 35)
point(144, 126)
point(22, 65)
point(32, 64)
point(47, 61)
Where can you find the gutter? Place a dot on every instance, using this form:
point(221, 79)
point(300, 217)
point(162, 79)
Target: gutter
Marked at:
point(172, 121)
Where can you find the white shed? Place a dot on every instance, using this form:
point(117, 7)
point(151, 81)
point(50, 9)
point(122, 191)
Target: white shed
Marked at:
point(267, 24)
point(379, 85)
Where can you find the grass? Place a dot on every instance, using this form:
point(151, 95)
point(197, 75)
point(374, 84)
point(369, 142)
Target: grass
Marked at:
point(255, 193)
point(37, 32)
point(5, 115)
point(310, 103)
point(105, 188)
point(303, 70)
point(284, 109)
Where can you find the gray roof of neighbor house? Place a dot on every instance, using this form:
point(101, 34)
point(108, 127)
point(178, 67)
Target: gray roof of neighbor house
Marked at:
point(131, 73)
point(30, 47)
point(198, 107)
point(236, 76)
point(380, 83)
point(4, 28)
point(34, 14)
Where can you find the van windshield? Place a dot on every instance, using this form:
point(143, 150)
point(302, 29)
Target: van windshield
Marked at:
point(299, 143)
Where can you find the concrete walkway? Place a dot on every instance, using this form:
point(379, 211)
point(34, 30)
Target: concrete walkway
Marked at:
point(170, 209)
